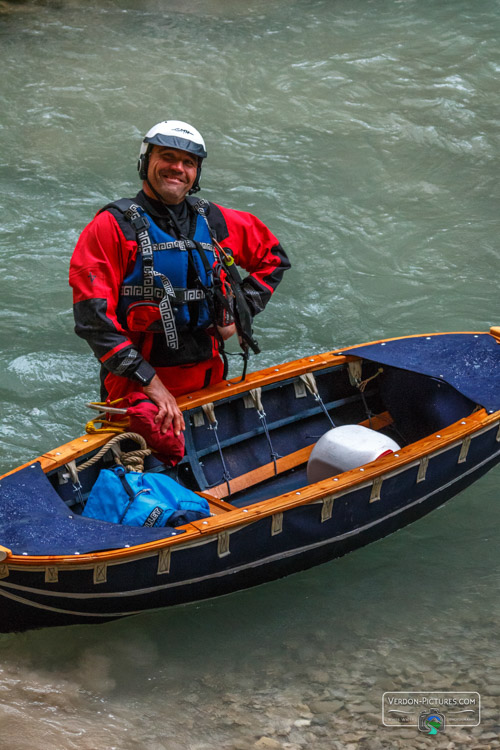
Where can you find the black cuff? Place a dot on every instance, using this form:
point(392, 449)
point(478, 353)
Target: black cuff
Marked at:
point(254, 298)
point(144, 373)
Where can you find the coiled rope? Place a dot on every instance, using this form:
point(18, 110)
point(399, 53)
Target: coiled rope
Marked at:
point(133, 460)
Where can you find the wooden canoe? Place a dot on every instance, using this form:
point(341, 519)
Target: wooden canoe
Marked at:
point(436, 395)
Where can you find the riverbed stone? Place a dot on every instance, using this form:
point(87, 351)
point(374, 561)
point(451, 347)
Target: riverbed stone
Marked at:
point(320, 676)
point(363, 708)
point(489, 713)
point(353, 736)
point(267, 743)
point(303, 710)
point(492, 690)
point(326, 707)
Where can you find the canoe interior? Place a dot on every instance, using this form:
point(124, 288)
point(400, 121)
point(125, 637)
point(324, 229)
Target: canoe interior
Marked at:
point(403, 405)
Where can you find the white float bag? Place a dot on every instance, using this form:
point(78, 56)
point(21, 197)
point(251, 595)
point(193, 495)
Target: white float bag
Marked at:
point(136, 499)
point(347, 447)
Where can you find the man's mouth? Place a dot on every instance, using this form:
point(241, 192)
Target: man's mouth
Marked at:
point(172, 178)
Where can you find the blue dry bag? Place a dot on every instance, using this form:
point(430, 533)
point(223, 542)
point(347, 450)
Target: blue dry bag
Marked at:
point(136, 499)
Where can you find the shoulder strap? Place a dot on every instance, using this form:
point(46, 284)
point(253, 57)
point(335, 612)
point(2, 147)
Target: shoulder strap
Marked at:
point(199, 205)
point(122, 205)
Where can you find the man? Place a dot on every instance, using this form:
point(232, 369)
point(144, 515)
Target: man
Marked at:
point(155, 294)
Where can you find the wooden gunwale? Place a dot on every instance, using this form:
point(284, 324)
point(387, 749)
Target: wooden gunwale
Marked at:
point(428, 446)
point(239, 517)
point(78, 447)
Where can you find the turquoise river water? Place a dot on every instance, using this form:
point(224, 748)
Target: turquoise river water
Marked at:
point(365, 133)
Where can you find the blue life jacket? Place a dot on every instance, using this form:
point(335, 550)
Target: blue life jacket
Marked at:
point(138, 499)
point(160, 290)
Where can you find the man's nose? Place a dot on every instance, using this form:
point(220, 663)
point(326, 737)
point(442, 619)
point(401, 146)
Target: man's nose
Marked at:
point(178, 165)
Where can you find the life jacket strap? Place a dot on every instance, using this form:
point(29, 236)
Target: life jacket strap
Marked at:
point(140, 223)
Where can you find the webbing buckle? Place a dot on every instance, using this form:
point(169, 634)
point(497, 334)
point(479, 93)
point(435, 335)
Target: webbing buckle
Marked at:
point(137, 220)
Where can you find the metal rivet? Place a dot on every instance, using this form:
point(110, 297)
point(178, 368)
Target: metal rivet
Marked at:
point(297, 493)
point(205, 522)
point(463, 422)
point(361, 469)
point(335, 479)
point(312, 359)
point(85, 440)
point(438, 436)
point(245, 510)
point(276, 369)
point(396, 455)
point(25, 553)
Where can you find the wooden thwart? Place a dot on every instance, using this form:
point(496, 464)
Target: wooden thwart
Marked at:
point(262, 473)
point(285, 463)
point(216, 506)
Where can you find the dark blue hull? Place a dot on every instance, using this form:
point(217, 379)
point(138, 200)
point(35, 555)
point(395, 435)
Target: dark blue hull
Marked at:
point(261, 551)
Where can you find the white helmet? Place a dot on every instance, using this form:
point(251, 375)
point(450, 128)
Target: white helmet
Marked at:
point(174, 134)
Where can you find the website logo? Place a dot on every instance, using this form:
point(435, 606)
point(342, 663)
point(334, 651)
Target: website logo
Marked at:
point(431, 710)
point(431, 723)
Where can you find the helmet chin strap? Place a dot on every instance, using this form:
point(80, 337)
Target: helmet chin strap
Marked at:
point(173, 220)
point(157, 194)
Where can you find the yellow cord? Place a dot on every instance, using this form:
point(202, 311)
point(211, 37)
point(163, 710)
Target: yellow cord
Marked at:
point(106, 426)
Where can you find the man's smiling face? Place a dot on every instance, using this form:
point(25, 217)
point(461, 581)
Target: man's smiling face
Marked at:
point(172, 173)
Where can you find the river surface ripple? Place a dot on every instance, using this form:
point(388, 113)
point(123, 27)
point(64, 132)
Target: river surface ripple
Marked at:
point(365, 133)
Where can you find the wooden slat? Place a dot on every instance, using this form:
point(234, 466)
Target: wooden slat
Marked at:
point(216, 506)
point(262, 473)
point(285, 463)
point(378, 421)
